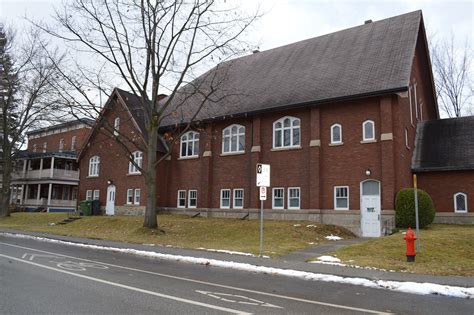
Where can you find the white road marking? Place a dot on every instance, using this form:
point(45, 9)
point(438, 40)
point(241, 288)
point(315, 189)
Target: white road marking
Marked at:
point(170, 297)
point(33, 256)
point(357, 309)
point(75, 266)
point(246, 300)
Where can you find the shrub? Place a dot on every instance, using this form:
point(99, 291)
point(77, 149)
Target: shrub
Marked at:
point(405, 208)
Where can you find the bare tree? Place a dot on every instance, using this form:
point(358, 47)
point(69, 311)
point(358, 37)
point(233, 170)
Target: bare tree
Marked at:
point(452, 67)
point(152, 48)
point(26, 96)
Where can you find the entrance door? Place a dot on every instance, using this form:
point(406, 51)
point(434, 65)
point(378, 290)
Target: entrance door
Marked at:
point(110, 205)
point(370, 208)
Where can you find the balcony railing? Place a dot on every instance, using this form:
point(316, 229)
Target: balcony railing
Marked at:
point(46, 173)
point(53, 203)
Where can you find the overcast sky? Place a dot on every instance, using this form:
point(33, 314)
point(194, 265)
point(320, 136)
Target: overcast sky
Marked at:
point(287, 21)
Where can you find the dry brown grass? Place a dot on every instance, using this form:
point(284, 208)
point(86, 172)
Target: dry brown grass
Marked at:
point(280, 237)
point(445, 250)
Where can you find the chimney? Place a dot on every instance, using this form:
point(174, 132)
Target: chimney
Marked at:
point(368, 22)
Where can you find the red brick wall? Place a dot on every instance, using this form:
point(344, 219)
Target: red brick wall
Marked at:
point(443, 185)
point(343, 165)
point(113, 160)
point(53, 140)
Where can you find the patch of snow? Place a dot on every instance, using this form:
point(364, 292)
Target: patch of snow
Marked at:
point(328, 259)
point(296, 225)
point(231, 252)
point(311, 243)
point(311, 225)
point(333, 238)
point(406, 287)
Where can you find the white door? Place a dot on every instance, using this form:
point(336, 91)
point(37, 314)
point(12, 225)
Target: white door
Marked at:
point(370, 209)
point(110, 205)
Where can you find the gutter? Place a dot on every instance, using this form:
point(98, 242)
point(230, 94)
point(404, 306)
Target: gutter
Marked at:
point(292, 106)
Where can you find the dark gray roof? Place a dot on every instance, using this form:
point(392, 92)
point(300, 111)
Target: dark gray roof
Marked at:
point(135, 108)
point(446, 144)
point(359, 61)
point(39, 155)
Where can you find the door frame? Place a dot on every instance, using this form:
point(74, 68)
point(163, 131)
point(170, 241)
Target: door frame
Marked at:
point(361, 196)
point(112, 211)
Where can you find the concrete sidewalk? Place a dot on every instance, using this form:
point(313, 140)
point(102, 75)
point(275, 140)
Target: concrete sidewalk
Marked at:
point(294, 261)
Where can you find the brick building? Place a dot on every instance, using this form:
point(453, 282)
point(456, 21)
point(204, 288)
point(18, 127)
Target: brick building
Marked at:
point(335, 117)
point(46, 175)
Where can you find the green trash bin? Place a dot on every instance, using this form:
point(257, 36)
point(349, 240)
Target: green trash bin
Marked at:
point(86, 207)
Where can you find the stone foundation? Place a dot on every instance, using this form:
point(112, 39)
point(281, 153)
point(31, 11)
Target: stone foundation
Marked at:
point(454, 218)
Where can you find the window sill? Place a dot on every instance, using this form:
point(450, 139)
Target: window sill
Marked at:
point(286, 148)
point(368, 141)
point(341, 209)
point(294, 208)
point(273, 208)
point(134, 174)
point(132, 205)
point(336, 144)
point(232, 153)
point(193, 157)
point(92, 176)
point(460, 212)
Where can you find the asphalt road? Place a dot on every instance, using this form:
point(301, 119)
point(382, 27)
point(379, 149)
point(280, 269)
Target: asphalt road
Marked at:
point(46, 278)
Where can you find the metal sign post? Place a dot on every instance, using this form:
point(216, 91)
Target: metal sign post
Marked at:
point(263, 181)
point(416, 215)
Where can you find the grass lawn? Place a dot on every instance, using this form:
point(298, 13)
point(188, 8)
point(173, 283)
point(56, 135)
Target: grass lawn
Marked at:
point(445, 250)
point(280, 237)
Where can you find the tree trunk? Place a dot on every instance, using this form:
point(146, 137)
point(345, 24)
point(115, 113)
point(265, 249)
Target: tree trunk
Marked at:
point(150, 180)
point(6, 181)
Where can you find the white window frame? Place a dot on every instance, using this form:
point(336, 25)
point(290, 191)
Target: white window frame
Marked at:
point(235, 198)
point(45, 146)
point(137, 157)
point(411, 104)
point(61, 145)
point(88, 194)
point(190, 197)
point(183, 192)
point(35, 147)
point(233, 137)
point(222, 198)
point(282, 130)
point(137, 196)
point(289, 197)
point(406, 139)
point(416, 101)
point(189, 139)
point(421, 111)
point(130, 196)
point(367, 122)
point(94, 163)
point(73, 143)
point(332, 134)
point(116, 126)
point(282, 198)
point(335, 198)
point(456, 204)
point(96, 194)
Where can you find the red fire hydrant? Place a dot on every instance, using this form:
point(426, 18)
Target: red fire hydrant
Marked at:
point(410, 242)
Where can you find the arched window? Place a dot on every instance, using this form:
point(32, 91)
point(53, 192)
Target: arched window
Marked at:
point(137, 157)
point(233, 139)
point(116, 126)
point(368, 130)
point(286, 132)
point(460, 202)
point(190, 144)
point(94, 166)
point(336, 134)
